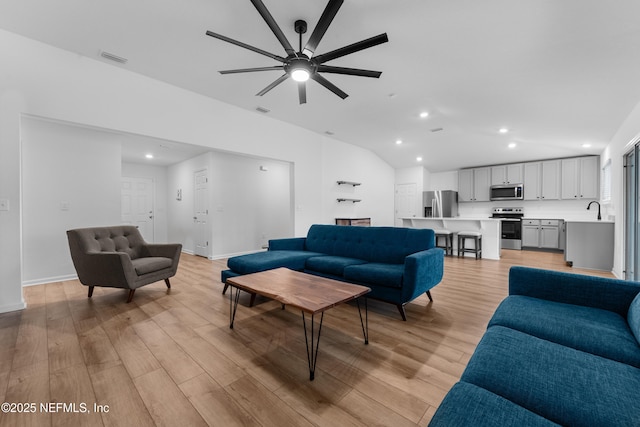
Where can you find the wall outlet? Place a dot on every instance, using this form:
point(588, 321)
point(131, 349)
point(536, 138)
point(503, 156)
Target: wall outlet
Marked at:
point(4, 204)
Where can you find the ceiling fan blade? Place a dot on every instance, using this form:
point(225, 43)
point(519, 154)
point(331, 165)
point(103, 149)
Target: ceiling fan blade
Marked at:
point(302, 92)
point(274, 84)
point(349, 71)
point(264, 12)
point(352, 48)
point(244, 45)
point(326, 83)
point(249, 70)
point(321, 27)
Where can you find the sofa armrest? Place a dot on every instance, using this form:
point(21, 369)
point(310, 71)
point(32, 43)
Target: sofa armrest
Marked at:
point(112, 269)
point(422, 271)
point(166, 250)
point(289, 244)
point(570, 288)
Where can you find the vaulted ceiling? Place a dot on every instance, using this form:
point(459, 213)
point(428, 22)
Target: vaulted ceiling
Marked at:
point(560, 75)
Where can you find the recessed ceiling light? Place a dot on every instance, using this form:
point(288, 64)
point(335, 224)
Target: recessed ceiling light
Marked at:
point(418, 159)
point(424, 114)
point(512, 145)
point(398, 141)
point(586, 145)
point(503, 130)
point(149, 156)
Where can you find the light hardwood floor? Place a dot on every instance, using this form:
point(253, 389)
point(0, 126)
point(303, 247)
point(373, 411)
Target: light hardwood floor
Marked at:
point(169, 357)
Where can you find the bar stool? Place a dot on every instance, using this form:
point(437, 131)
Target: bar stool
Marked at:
point(448, 240)
point(477, 239)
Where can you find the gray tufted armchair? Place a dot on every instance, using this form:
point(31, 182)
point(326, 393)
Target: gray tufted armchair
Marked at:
point(118, 257)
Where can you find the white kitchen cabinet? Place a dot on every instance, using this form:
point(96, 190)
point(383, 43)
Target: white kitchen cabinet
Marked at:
point(481, 184)
point(531, 233)
point(550, 233)
point(542, 180)
point(474, 184)
point(550, 180)
point(507, 174)
point(580, 178)
point(465, 185)
point(532, 181)
point(541, 233)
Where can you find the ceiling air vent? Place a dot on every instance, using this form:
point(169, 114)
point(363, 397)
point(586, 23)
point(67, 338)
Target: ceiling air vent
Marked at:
point(262, 110)
point(112, 57)
point(437, 129)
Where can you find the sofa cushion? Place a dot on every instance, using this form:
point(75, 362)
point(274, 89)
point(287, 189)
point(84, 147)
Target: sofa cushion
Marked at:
point(261, 261)
point(333, 265)
point(373, 244)
point(150, 264)
point(387, 275)
point(467, 405)
point(633, 317)
point(593, 330)
point(564, 385)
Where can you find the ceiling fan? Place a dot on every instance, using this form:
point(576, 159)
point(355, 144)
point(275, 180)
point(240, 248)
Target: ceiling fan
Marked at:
point(303, 65)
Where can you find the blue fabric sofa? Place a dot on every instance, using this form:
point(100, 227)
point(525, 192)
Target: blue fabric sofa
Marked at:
point(398, 264)
point(561, 349)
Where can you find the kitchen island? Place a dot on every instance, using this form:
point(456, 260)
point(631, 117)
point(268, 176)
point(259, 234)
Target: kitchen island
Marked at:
point(490, 229)
point(590, 244)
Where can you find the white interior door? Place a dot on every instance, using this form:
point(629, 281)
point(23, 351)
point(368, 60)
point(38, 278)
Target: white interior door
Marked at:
point(201, 213)
point(405, 201)
point(137, 205)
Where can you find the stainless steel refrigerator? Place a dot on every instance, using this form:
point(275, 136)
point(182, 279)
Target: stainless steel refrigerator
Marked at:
point(440, 204)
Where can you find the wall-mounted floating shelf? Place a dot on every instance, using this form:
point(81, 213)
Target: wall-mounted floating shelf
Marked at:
point(349, 200)
point(349, 183)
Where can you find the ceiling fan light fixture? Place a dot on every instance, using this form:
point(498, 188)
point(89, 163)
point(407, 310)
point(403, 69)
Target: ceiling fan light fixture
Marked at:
point(300, 75)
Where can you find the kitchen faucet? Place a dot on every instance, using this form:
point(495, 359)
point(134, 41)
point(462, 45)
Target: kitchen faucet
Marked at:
point(598, 203)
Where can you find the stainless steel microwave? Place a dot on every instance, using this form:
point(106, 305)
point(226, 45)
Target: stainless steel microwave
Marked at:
point(507, 192)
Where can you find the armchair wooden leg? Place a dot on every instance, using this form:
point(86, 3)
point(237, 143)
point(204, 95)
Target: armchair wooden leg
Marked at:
point(225, 288)
point(131, 292)
point(429, 295)
point(168, 283)
point(90, 291)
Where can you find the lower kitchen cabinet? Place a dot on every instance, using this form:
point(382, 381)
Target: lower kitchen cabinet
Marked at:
point(542, 233)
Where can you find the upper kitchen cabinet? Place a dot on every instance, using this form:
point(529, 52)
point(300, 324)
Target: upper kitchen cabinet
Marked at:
point(580, 178)
point(542, 180)
point(507, 174)
point(473, 185)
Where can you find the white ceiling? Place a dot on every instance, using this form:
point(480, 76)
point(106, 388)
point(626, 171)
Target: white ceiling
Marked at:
point(557, 73)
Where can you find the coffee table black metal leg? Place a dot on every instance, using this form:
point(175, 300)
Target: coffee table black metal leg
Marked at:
point(365, 323)
point(233, 304)
point(312, 345)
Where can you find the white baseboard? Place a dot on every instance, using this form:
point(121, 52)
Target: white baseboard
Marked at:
point(223, 256)
point(44, 280)
point(13, 307)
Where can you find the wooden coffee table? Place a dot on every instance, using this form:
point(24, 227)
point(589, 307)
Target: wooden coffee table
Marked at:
point(311, 294)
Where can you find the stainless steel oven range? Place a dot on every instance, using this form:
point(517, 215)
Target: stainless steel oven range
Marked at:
point(511, 226)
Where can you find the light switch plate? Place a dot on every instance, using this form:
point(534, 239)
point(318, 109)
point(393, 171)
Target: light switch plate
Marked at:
point(4, 204)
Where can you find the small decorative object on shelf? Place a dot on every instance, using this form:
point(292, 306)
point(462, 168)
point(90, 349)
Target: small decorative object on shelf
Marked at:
point(349, 183)
point(349, 200)
point(361, 222)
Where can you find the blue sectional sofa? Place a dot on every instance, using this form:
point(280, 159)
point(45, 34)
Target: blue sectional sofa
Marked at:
point(561, 349)
point(398, 264)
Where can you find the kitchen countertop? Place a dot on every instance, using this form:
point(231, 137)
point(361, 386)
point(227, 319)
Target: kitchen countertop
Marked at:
point(595, 221)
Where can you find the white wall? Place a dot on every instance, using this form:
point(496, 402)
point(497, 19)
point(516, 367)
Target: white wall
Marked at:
point(70, 179)
point(247, 205)
point(40, 80)
point(161, 192)
point(344, 162)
